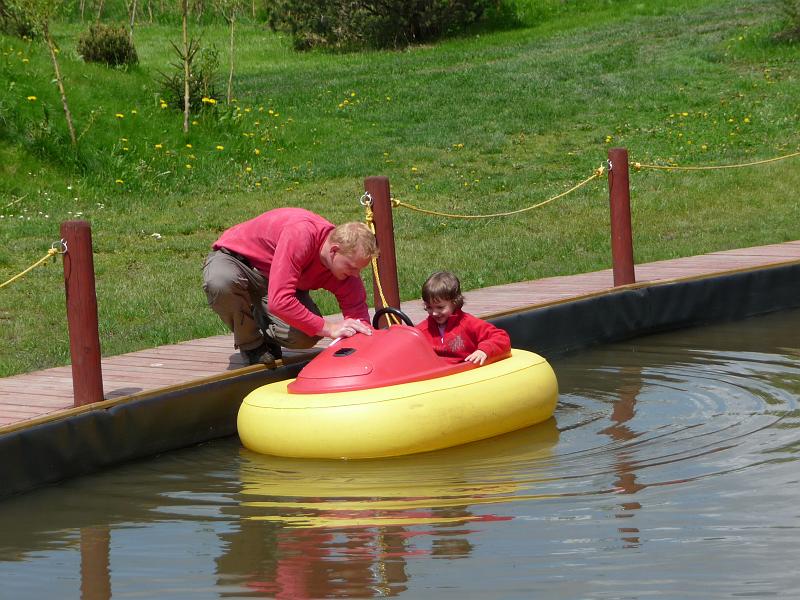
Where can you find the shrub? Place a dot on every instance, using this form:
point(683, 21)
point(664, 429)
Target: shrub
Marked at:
point(203, 68)
point(107, 44)
point(351, 24)
point(15, 21)
point(791, 13)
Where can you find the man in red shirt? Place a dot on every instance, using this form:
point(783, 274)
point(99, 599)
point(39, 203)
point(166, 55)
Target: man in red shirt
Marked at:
point(259, 272)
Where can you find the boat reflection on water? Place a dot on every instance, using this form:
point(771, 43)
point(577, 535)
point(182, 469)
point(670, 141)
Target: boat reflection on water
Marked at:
point(404, 490)
point(322, 528)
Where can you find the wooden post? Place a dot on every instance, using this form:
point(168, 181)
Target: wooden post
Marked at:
point(84, 339)
point(378, 188)
point(620, 202)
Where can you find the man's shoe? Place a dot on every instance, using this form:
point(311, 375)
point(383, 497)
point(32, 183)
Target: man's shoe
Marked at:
point(260, 355)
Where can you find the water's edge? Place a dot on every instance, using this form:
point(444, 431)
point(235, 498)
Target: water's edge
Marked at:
point(86, 442)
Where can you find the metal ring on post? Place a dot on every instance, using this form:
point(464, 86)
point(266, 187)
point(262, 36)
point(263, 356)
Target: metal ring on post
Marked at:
point(610, 166)
point(366, 199)
point(60, 246)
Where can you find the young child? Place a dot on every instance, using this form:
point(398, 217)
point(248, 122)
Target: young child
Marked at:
point(454, 334)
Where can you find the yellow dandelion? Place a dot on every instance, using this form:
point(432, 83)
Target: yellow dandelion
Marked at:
point(413, 169)
point(258, 184)
point(158, 146)
point(31, 98)
point(25, 60)
point(747, 119)
point(188, 145)
point(119, 182)
point(134, 112)
point(257, 152)
point(124, 148)
point(188, 166)
point(119, 116)
point(248, 169)
point(352, 94)
point(220, 148)
point(194, 122)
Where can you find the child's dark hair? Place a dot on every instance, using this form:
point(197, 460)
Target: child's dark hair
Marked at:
point(443, 285)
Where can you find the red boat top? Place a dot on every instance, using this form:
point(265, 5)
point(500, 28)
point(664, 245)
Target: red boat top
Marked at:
point(399, 354)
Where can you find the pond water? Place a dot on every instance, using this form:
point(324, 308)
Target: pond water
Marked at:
point(670, 470)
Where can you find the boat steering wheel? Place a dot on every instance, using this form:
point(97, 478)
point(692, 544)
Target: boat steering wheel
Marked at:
point(394, 311)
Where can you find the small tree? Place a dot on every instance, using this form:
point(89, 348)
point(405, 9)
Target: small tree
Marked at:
point(132, 15)
point(186, 64)
point(203, 65)
point(40, 13)
point(229, 10)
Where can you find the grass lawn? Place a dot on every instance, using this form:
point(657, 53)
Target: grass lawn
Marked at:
point(488, 122)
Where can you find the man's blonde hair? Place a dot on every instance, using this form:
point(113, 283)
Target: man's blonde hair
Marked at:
point(355, 239)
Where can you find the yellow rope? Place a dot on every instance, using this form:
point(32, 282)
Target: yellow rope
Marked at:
point(639, 166)
point(392, 319)
point(598, 172)
point(50, 253)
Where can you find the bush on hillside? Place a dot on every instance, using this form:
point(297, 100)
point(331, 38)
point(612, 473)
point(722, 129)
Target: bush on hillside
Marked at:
point(203, 75)
point(791, 11)
point(107, 44)
point(351, 24)
point(15, 21)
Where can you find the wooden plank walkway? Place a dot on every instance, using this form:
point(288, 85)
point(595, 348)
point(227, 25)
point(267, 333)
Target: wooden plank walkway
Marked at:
point(32, 395)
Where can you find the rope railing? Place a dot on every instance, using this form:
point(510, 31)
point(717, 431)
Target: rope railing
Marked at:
point(598, 172)
point(59, 247)
point(639, 166)
point(366, 202)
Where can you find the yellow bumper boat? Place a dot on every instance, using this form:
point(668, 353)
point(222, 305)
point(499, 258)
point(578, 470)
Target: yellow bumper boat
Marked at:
point(389, 394)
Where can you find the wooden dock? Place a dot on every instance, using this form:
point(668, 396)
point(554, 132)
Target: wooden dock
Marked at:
point(42, 393)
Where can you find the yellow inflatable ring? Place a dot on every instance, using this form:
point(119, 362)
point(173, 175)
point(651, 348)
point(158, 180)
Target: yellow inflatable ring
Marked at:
point(417, 416)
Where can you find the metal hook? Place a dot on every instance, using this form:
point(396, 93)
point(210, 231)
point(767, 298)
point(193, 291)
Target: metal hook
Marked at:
point(60, 245)
point(366, 199)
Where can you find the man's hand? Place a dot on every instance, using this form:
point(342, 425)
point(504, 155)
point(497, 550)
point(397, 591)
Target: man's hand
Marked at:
point(345, 329)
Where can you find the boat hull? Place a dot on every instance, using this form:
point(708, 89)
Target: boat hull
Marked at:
point(401, 419)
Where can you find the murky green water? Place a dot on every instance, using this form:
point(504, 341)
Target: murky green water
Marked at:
point(670, 471)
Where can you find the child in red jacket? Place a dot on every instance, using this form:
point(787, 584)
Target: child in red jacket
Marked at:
point(454, 334)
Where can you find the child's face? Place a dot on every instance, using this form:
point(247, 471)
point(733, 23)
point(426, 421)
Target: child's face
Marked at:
point(440, 310)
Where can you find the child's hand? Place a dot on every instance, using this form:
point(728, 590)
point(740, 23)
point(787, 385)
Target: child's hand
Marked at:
point(478, 357)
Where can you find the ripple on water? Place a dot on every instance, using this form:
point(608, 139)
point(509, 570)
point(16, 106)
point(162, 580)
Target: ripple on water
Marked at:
point(670, 466)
